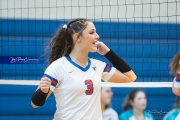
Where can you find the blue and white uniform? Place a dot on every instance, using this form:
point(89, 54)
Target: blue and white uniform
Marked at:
point(129, 115)
point(76, 89)
point(172, 115)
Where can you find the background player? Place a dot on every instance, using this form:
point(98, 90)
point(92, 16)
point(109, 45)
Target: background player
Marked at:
point(134, 106)
point(108, 112)
point(73, 77)
point(175, 69)
point(173, 114)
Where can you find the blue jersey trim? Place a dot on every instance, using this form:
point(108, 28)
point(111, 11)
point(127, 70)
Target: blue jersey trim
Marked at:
point(50, 77)
point(78, 66)
point(107, 68)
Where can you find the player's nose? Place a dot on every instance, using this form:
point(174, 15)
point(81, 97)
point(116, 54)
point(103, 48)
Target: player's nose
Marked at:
point(97, 36)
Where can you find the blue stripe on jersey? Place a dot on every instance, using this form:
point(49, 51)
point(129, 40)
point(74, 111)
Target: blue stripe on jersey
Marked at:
point(50, 77)
point(178, 78)
point(107, 68)
point(78, 66)
point(53, 80)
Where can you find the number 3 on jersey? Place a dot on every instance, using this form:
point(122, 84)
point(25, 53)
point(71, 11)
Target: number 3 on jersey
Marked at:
point(90, 87)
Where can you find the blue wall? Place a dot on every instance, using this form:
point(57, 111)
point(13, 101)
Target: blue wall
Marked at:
point(15, 102)
point(147, 47)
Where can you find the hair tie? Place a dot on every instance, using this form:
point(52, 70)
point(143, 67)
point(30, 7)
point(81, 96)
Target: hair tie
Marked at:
point(65, 26)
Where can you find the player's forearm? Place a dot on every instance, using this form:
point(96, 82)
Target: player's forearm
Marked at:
point(125, 73)
point(176, 91)
point(176, 87)
point(131, 76)
point(33, 105)
point(38, 98)
point(117, 62)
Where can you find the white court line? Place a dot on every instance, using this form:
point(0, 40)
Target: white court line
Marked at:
point(103, 84)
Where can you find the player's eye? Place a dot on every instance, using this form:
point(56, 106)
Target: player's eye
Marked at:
point(91, 32)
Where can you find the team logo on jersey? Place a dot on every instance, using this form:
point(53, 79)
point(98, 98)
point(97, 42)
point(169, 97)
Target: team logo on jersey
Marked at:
point(94, 68)
point(71, 71)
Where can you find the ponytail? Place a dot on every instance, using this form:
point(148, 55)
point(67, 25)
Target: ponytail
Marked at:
point(62, 43)
point(175, 64)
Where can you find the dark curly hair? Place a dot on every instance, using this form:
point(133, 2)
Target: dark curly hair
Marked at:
point(62, 43)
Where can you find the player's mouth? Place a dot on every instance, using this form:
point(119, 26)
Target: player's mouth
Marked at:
point(94, 42)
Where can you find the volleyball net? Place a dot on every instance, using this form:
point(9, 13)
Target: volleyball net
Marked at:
point(144, 33)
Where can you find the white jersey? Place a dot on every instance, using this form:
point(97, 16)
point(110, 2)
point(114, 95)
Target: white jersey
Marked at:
point(178, 117)
point(110, 114)
point(77, 89)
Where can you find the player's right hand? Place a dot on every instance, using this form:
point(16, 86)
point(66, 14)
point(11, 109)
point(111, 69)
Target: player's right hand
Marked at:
point(45, 84)
point(102, 48)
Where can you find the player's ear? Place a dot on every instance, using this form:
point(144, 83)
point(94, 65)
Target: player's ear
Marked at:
point(76, 37)
point(131, 103)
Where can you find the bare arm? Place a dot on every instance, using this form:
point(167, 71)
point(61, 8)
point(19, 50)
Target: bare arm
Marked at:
point(119, 77)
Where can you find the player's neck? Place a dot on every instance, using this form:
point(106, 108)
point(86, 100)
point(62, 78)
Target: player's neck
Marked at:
point(137, 112)
point(79, 57)
point(102, 107)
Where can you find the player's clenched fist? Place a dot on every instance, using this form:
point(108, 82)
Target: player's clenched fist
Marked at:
point(38, 98)
point(45, 84)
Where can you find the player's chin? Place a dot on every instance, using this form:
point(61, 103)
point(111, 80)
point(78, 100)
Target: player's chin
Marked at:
point(94, 49)
point(108, 101)
point(143, 107)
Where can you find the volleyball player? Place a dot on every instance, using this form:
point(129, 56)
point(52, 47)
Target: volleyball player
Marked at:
point(134, 106)
point(107, 111)
point(74, 78)
point(175, 69)
point(174, 113)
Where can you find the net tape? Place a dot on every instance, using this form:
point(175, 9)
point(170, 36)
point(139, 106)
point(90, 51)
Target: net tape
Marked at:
point(103, 84)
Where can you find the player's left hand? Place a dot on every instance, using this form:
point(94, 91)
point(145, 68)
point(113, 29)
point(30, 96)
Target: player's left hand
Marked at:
point(102, 48)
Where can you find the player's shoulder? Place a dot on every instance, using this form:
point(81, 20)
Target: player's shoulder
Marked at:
point(110, 113)
point(58, 62)
point(148, 115)
point(126, 115)
point(171, 115)
point(110, 110)
point(96, 61)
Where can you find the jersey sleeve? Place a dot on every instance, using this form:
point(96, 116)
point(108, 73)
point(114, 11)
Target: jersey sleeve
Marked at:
point(177, 81)
point(54, 74)
point(106, 69)
point(108, 72)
